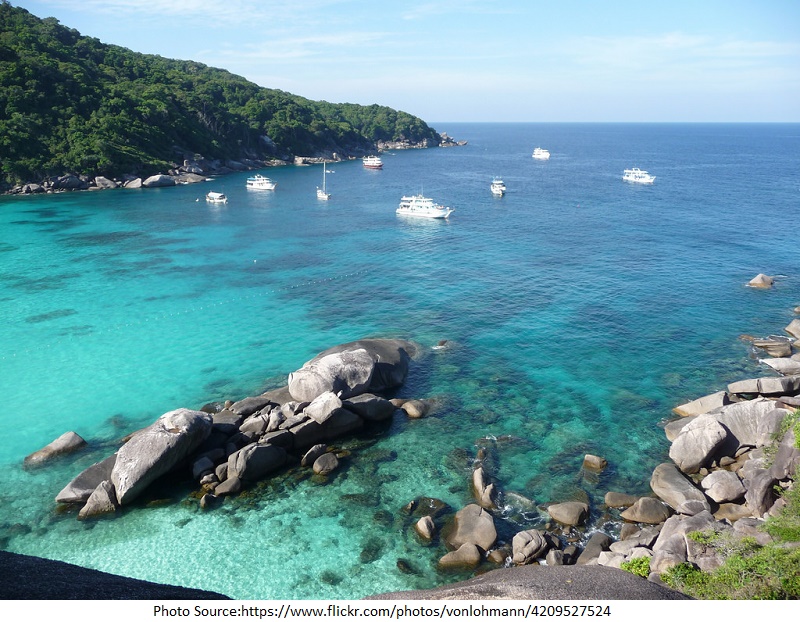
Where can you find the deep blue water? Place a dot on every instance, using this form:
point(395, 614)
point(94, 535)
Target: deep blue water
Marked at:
point(579, 309)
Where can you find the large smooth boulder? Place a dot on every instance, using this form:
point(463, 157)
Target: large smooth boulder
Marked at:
point(677, 491)
point(748, 424)
point(157, 449)
point(101, 502)
point(570, 513)
point(702, 405)
point(466, 556)
point(321, 407)
point(794, 328)
point(784, 366)
point(760, 494)
point(722, 486)
point(527, 546)
point(696, 443)
point(85, 483)
point(64, 444)
point(647, 510)
point(366, 365)
point(774, 347)
point(371, 407)
point(158, 181)
point(254, 461)
point(472, 524)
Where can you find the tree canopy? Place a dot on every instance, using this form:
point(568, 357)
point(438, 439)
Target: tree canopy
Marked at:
point(70, 103)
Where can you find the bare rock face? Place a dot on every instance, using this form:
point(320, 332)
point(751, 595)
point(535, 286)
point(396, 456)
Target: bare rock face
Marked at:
point(158, 181)
point(702, 405)
point(154, 451)
point(254, 461)
point(102, 501)
point(647, 510)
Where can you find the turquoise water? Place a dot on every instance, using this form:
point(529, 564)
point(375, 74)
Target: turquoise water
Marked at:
point(578, 310)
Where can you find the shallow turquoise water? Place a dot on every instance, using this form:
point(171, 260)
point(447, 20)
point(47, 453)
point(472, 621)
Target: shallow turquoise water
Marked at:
point(579, 310)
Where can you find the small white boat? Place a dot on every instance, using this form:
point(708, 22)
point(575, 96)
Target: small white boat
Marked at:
point(637, 176)
point(422, 207)
point(216, 197)
point(540, 154)
point(373, 162)
point(322, 193)
point(498, 187)
point(259, 182)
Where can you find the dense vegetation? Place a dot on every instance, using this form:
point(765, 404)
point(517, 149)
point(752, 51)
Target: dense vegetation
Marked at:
point(70, 103)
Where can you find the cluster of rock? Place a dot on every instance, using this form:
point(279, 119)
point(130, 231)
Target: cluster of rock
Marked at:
point(197, 169)
point(729, 452)
point(229, 446)
point(191, 171)
point(444, 141)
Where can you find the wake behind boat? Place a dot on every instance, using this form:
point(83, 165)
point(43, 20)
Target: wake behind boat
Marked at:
point(637, 176)
point(423, 207)
point(259, 182)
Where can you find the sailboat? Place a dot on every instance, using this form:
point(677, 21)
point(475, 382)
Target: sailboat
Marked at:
point(322, 193)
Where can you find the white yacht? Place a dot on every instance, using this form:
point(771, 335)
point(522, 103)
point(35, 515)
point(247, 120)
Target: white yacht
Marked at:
point(423, 207)
point(498, 187)
point(540, 154)
point(260, 182)
point(373, 162)
point(322, 193)
point(638, 176)
point(216, 197)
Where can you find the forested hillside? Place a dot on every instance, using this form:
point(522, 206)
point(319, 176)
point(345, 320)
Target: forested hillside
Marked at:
point(70, 103)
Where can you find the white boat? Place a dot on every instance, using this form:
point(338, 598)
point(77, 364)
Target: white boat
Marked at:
point(498, 187)
point(373, 162)
point(216, 197)
point(637, 176)
point(540, 154)
point(322, 193)
point(423, 207)
point(260, 182)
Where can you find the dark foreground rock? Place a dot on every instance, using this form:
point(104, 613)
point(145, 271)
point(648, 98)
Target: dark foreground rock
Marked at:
point(546, 583)
point(23, 577)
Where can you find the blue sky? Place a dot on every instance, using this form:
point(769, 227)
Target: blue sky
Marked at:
point(463, 60)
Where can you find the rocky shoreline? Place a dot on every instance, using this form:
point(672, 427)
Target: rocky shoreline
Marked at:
point(730, 452)
point(196, 169)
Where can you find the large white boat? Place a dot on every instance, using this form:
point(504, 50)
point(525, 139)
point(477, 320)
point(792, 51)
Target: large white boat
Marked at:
point(373, 162)
point(260, 182)
point(637, 176)
point(216, 197)
point(498, 187)
point(423, 207)
point(322, 193)
point(540, 154)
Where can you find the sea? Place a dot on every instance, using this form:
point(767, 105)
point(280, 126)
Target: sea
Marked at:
point(567, 317)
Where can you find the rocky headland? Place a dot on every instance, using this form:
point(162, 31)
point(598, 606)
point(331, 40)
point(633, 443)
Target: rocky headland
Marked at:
point(196, 168)
point(731, 453)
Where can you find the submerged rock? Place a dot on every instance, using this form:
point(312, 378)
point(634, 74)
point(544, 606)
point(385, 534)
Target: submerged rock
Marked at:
point(64, 444)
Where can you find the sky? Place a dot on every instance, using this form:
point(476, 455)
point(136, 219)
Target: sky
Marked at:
point(484, 61)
